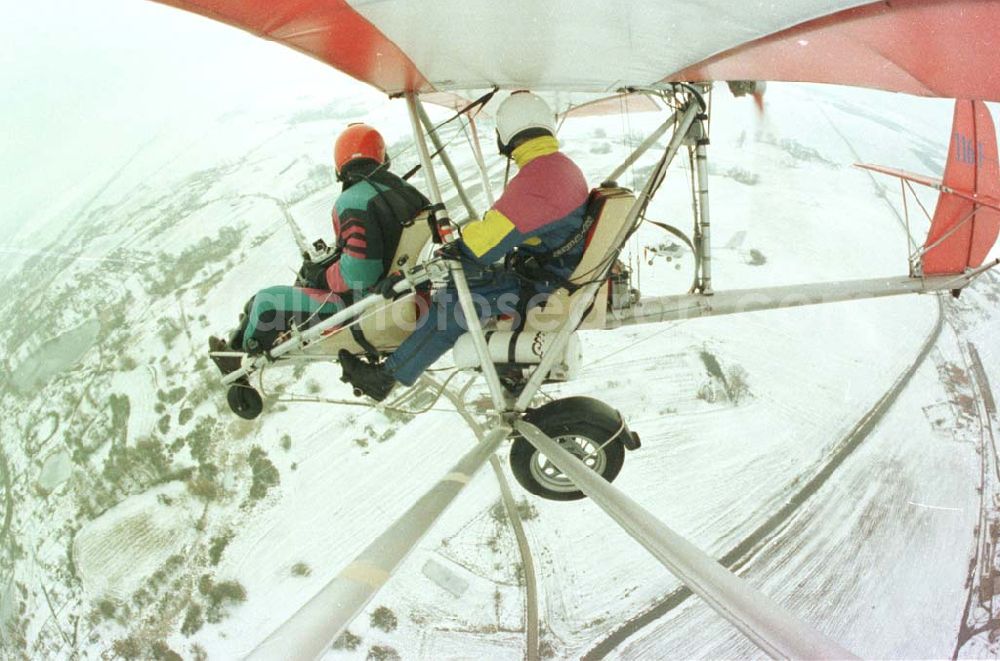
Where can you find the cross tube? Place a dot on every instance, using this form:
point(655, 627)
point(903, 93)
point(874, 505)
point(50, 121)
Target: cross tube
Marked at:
point(693, 306)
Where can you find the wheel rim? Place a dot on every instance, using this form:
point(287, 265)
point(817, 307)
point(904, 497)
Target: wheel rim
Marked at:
point(545, 473)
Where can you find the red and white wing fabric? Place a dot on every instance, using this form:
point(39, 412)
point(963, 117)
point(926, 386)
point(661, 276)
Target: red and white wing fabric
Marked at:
point(927, 47)
point(944, 48)
point(967, 218)
point(331, 31)
point(612, 105)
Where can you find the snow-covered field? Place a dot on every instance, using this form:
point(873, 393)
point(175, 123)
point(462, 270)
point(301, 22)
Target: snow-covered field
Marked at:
point(177, 526)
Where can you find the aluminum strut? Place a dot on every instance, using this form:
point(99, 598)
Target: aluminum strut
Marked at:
point(517, 527)
point(643, 147)
point(298, 235)
point(481, 162)
point(769, 625)
point(446, 159)
point(465, 298)
point(703, 235)
point(309, 633)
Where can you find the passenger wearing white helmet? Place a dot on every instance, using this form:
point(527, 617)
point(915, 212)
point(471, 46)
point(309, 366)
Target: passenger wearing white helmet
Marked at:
point(522, 249)
point(524, 115)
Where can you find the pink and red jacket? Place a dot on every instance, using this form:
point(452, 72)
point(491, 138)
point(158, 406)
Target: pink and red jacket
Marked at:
point(542, 208)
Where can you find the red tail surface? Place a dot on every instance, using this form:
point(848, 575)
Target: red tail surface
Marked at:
point(966, 221)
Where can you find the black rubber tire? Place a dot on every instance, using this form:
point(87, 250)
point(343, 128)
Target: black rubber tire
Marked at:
point(244, 401)
point(566, 418)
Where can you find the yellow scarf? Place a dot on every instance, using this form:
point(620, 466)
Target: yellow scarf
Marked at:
point(532, 149)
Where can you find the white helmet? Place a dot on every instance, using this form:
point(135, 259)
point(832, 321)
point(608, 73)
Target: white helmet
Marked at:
point(519, 112)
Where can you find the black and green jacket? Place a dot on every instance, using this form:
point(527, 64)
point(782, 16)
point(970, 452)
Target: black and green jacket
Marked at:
point(368, 219)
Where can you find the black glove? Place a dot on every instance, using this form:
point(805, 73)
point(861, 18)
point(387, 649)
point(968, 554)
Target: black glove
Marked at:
point(387, 287)
point(312, 275)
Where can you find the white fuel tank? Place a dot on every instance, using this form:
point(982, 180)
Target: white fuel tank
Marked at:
point(521, 348)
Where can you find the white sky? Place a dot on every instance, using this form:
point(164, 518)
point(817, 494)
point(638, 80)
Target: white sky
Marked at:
point(85, 84)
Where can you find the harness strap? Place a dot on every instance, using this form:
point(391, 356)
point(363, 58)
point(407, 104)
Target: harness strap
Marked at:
point(590, 216)
point(533, 270)
point(432, 211)
point(532, 265)
point(578, 237)
point(403, 203)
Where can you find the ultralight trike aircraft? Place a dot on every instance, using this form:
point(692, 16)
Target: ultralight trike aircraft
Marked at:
point(667, 54)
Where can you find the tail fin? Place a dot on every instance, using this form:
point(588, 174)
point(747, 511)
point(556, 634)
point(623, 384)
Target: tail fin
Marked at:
point(967, 218)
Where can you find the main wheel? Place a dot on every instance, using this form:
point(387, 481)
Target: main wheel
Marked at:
point(592, 433)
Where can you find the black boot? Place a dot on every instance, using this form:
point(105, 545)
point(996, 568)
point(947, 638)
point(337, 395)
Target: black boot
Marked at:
point(236, 337)
point(372, 380)
point(226, 364)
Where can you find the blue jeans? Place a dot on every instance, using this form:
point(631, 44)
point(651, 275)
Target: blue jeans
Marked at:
point(494, 293)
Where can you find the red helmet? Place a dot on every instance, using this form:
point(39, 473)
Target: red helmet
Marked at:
point(358, 141)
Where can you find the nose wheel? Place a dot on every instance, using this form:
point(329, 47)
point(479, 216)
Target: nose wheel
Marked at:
point(244, 400)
